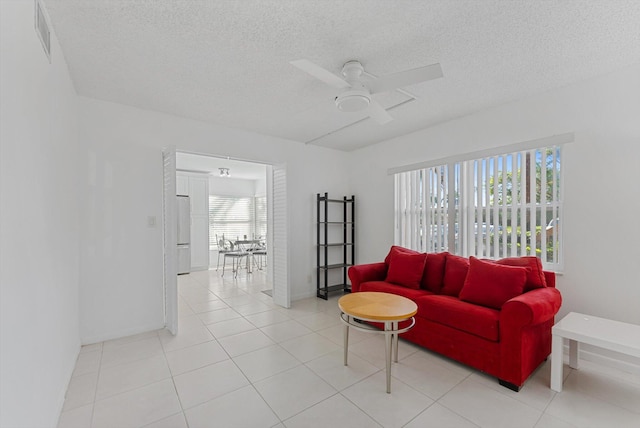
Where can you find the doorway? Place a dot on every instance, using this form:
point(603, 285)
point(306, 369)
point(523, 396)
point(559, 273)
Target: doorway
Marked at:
point(271, 182)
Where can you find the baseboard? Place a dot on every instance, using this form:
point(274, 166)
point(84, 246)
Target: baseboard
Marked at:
point(606, 358)
point(120, 334)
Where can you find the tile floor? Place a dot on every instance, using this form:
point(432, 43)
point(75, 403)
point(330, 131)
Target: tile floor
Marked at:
point(241, 361)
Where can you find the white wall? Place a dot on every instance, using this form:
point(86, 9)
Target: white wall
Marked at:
point(121, 267)
point(602, 169)
point(38, 222)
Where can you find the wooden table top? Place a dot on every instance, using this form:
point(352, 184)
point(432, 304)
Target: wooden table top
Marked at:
point(377, 306)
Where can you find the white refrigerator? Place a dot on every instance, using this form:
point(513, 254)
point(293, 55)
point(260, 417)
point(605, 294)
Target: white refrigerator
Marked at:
point(184, 235)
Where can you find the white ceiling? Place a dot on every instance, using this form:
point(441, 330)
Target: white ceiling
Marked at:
point(211, 165)
point(227, 62)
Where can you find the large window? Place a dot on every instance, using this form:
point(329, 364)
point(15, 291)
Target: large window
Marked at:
point(236, 217)
point(231, 217)
point(495, 206)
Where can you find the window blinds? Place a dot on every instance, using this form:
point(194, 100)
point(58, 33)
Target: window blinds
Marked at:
point(496, 206)
point(230, 216)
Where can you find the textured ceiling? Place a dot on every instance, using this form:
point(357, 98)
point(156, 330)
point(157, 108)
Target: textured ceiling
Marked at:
point(227, 62)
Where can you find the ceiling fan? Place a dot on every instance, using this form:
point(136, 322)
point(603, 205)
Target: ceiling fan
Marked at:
point(356, 96)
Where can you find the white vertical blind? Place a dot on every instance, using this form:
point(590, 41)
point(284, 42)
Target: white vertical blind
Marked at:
point(496, 206)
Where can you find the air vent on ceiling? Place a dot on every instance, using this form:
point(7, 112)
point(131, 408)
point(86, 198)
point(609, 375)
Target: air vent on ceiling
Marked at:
point(42, 28)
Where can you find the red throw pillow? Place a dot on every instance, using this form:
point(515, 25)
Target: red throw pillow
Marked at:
point(490, 284)
point(396, 249)
point(455, 272)
point(406, 269)
point(434, 272)
point(535, 277)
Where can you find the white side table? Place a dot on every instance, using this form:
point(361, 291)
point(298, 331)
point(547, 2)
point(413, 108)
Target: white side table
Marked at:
point(608, 334)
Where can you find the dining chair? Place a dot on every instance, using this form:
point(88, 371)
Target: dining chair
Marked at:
point(224, 246)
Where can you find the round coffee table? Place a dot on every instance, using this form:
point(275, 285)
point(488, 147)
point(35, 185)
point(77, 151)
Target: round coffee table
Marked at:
point(377, 307)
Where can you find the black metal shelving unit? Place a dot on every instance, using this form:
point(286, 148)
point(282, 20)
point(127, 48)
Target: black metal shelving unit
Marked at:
point(330, 241)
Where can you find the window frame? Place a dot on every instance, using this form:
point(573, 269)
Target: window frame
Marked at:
point(451, 223)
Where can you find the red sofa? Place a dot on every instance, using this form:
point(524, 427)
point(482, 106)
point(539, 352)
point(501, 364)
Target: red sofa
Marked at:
point(495, 316)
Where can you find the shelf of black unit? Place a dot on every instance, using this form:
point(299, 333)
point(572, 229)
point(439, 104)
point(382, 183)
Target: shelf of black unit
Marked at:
point(333, 288)
point(342, 244)
point(342, 201)
point(335, 222)
point(335, 266)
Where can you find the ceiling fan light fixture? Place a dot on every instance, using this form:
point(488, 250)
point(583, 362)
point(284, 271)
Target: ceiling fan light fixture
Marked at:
point(351, 101)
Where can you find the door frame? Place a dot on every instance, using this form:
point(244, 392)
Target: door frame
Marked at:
point(277, 240)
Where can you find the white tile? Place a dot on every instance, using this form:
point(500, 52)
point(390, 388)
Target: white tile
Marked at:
point(389, 410)
point(195, 357)
point(218, 315)
point(230, 327)
point(242, 343)
point(309, 347)
point(373, 350)
point(125, 377)
point(294, 390)
point(487, 407)
point(438, 416)
point(285, 330)
point(81, 391)
point(548, 421)
point(174, 421)
point(79, 417)
point(87, 362)
point(535, 392)
point(211, 305)
point(138, 407)
point(227, 292)
point(605, 387)
point(251, 308)
point(241, 408)
point(263, 319)
point(421, 372)
point(186, 337)
point(331, 369)
point(318, 321)
point(132, 351)
point(265, 362)
point(243, 299)
point(206, 383)
point(582, 410)
point(336, 334)
point(335, 411)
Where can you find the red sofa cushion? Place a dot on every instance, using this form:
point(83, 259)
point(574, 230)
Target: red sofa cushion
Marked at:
point(433, 275)
point(535, 277)
point(434, 271)
point(463, 316)
point(385, 287)
point(455, 272)
point(406, 269)
point(490, 284)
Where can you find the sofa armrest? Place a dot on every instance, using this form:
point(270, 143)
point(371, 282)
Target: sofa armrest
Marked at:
point(368, 272)
point(531, 308)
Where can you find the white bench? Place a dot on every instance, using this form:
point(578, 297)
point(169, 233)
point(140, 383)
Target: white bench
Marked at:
point(608, 334)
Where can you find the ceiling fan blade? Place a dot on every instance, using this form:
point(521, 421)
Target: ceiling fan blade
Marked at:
point(378, 113)
point(405, 78)
point(320, 73)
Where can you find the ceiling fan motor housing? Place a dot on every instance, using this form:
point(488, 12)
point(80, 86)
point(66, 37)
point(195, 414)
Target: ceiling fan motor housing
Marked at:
point(357, 97)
